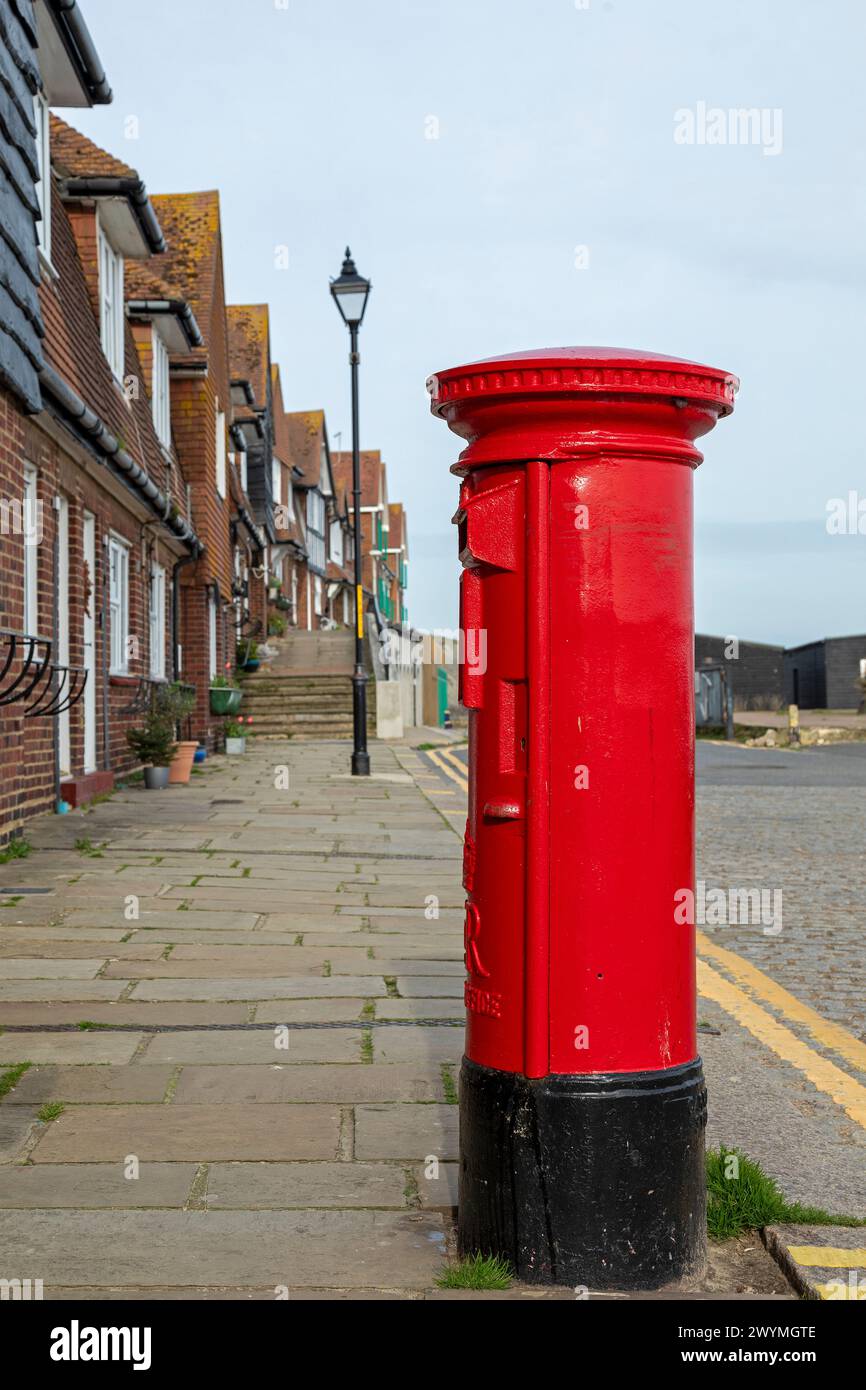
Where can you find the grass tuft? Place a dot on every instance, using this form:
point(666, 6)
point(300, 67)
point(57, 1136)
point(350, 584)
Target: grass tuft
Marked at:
point(50, 1111)
point(742, 1197)
point(449, 1085)
point(476, 1272)
point(9, 1079)
point(16, 849)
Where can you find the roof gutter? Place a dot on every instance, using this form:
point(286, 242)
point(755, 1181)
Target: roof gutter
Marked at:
point(252, 528)
point(178, 307)
point(75, 37)
point(116, 186)
point(243, 384)
point(88, 423)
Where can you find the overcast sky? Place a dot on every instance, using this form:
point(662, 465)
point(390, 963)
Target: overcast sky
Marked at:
point(556, 125)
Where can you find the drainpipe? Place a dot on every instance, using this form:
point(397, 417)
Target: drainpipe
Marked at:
point(103, 624)
point(175, 612)
point(55, 625)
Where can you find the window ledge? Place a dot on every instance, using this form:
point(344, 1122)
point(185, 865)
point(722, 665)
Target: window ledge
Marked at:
point(49, 271)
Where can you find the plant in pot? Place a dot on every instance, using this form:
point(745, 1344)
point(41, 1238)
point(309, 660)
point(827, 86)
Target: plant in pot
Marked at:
point(173, 703)
point(234, 734)
point(225, 695)
point(153, 744)
point(276, 625)
point(247, 655)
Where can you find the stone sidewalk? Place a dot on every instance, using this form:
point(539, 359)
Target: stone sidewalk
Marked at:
point(247, 1000)
point(240, 1003)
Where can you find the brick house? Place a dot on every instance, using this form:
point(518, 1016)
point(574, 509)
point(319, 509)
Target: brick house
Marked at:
point(166, 296)
point(378, 573)
point(87, 578)
point(326, 599)
point(398, 560)
point(289, 555)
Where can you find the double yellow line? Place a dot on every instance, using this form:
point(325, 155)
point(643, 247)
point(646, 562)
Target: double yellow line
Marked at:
point(742, 991)
point(451, 765)
point(741, 1001)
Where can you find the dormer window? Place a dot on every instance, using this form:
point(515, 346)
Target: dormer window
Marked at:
point(43, 187)
point(160, 401)
point(111, 327)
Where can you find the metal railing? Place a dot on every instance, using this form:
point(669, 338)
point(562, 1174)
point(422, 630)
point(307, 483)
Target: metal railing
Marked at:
point(50, 686)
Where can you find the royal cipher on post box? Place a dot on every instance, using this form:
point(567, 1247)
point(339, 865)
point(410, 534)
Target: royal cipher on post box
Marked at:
point(582, 1105)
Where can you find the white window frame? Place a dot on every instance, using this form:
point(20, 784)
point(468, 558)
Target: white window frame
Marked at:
point(111, 314)
point(336, 541)
point(277, 481)
point(220, 453)
point(157, 621)
point(317, 595)
point(160, 389)
point(29, 534)
point(316, 529)
point(211, 635)
point(118, 605)
point(43, 188)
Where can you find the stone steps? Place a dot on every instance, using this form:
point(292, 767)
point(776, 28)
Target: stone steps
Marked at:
point(284, 702)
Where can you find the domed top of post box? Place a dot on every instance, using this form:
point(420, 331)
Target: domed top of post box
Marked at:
point(556, 402)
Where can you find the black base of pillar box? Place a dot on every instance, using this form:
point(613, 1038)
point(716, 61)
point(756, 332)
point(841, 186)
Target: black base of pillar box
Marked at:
point(597, 1181)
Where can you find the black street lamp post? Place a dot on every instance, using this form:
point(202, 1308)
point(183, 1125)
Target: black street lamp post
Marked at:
point(350, 291)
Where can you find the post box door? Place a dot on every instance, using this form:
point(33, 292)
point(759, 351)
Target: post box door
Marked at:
point(492, 524)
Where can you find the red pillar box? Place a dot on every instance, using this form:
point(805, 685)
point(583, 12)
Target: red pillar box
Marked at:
point(582, 1098)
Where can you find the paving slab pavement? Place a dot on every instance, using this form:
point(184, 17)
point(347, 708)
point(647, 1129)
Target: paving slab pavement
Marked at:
point(327, 1166)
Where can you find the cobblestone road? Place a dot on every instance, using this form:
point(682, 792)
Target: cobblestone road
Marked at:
point(794, 821)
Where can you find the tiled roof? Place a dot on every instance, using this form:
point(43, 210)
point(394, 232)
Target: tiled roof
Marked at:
point(249, 347)
point(397, 525)
point(337, 573)
point(74, 156)
point(304, 429)
point(372, 469)
point(189, 268)
point(282, 443)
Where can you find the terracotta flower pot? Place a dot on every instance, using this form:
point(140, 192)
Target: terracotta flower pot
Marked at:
point(181, 763)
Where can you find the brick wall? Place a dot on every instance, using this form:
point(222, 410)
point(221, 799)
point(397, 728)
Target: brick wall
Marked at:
point(26, 748)
point(26, 744)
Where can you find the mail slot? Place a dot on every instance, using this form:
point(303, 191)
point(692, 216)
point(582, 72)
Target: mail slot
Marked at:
point(582, 1096)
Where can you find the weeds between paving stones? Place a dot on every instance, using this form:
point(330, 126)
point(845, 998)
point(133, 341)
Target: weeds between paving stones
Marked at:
point(741, 1197)
point(449, 1085)
point(9, 1079)
point(476, 1272)
point(51, 1110)
point(85, 845)
point(16, 849)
